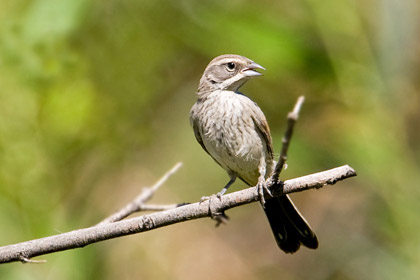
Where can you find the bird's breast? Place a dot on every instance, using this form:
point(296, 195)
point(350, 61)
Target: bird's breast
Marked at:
point(229, 132)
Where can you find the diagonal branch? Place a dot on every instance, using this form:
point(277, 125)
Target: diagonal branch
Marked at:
point(79, 238)
point(138, 204)
point(292, 117)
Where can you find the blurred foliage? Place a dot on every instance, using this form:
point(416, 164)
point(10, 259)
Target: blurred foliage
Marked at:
point(95, 97)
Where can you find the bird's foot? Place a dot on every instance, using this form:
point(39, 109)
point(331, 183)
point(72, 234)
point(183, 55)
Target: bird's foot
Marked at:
point(219, 217)
point(205, 198)
point(262, 187)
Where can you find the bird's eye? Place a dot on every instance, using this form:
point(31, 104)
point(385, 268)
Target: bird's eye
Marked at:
point(230, 66)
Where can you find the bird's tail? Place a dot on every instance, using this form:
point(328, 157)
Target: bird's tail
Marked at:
point(289, 227)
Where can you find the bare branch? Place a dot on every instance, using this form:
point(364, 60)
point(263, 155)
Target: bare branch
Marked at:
point(292, 117)
point(158, 207)
point(138, 204)
point(79, 238)
point(113, 227)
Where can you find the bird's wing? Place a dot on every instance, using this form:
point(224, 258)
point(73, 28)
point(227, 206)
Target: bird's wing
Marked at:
point(197, 132)
point(263, 128)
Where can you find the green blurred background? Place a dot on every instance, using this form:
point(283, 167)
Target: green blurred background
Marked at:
point(94, 104)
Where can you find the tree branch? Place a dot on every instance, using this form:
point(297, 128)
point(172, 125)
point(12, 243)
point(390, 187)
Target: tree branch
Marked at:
point(113, 227)
point(292, 117)
point(138, 204)
point(79, 238)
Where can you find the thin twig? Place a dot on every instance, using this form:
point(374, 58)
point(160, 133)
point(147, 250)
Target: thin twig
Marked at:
point(292, 117)
point(83, 237)
point(157, 207)
point(138, 204)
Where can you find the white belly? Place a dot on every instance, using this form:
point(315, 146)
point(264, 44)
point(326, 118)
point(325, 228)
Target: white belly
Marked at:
point(230, 135)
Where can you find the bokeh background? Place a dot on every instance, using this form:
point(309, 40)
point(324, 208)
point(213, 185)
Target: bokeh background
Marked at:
point(94, 104)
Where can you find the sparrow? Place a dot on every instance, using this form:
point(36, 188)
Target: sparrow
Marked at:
point(233, 130)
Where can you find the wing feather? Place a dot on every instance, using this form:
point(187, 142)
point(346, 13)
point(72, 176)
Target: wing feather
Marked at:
point(197, 132)
point(263, 128)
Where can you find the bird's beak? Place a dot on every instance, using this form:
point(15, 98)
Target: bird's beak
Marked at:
point(249, 71)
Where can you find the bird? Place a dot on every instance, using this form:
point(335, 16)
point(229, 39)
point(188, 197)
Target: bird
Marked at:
point(234, 131)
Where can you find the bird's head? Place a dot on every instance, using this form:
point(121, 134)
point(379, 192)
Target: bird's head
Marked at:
point(228, 72)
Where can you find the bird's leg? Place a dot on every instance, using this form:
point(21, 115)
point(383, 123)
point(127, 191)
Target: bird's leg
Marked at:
point(222, 192)
point(231, 181)
point(262, 184)
point(219, 217)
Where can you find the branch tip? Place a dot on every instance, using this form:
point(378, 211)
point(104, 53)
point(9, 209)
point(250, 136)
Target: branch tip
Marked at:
point(28, 260)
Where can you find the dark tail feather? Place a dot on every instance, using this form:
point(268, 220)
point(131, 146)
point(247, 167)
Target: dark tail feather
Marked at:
point(289, 227)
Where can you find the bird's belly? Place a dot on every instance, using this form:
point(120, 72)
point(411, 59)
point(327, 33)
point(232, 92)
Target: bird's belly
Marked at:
point(236, 146)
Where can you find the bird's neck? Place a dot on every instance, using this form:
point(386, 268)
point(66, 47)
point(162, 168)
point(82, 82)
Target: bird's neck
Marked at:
point(218, 94)
point(207, 87)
